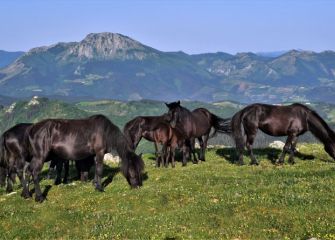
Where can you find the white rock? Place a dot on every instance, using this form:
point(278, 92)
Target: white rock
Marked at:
point(109, 158)
point(11, 108)
point(277, 145)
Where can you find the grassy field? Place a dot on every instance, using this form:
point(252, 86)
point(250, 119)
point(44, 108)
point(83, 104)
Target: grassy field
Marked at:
point(211, 200)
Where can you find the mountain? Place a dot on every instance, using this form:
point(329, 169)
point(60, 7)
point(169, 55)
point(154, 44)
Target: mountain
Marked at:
point(114, 66)
point(271, 54)
point(8, 57)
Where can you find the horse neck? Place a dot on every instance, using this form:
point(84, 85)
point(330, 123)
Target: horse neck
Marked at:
point(185, 115)
point(320, 128)
point(117, 141)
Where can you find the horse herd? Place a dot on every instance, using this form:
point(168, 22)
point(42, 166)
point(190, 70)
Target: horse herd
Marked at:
point(25, 147)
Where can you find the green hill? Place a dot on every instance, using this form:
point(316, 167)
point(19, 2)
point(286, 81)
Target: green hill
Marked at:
point(35, 110)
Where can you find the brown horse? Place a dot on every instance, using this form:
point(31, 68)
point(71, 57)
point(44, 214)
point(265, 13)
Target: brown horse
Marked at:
point(170, 138)
point(196, 124)
point(155, 129)
point(292, 121)
point(134, 129)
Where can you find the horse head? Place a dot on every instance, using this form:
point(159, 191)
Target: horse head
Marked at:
point(173, 115)
point(133, 169)
point(330, 149)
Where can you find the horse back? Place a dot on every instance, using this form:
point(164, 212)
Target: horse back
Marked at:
point(14, 140)
point(69, 138)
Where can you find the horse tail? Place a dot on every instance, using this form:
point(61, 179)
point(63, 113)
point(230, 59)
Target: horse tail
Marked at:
point(3, 157)
point(221, 125)
point(237, 129)
point(3, 170)
point(321, 131)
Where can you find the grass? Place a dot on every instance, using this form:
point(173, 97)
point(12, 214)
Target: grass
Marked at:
point(211, 200)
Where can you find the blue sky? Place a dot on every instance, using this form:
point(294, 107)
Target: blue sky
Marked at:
point(190, 26)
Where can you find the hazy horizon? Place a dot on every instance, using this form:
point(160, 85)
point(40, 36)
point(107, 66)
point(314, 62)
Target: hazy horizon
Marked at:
point(189, 26)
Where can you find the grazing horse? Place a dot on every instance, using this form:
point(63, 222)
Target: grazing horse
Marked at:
point(292, 121)
point(196, 124)
point(77, 139)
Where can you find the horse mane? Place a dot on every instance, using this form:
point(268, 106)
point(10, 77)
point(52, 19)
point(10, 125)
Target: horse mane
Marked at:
point(117, 141)
point(128, 128)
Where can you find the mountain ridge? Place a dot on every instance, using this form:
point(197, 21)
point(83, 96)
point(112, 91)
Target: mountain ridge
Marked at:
point(112, 65)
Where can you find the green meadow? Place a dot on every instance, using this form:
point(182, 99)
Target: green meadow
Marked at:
point(215, 199)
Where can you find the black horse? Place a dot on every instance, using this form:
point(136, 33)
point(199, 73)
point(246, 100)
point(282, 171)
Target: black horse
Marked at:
point(76, 140)
point(292, 121)
point(196, 124)
point(14, 156)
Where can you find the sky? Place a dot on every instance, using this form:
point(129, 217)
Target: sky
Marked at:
point(174, 25)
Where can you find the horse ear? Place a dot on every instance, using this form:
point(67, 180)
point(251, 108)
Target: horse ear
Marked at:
point(178, 102)
point(166, 104)
point(140, 155)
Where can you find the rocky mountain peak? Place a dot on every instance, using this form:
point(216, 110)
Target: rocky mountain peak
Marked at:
point(106, 45)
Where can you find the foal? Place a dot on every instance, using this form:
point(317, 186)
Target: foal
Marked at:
point(170, 138)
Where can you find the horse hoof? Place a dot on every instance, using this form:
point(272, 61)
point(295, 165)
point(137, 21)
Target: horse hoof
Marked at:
point(184, 164)
point(39, 198)
point(65, 182)
point(26, 195)
point(57, 182)
point(9, 190)
point(254, 163)
point(99, 189)
point(240, 163)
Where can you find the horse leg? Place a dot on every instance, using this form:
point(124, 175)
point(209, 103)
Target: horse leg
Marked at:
point(35, 168)
point(26, 173)
point(286, 149)
point(187, 144)
point(172, 152)
point(20, 173)
point(3, 176)
point(201, 152)
point(191, 145)
point(292, 150)
point(250, 141)
point(59, 168)
point(10, 182)
point(98, 170)
point(157, 155)
point(66, 169)
point(10, 174)
point(165, 158)
point(206, 137)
